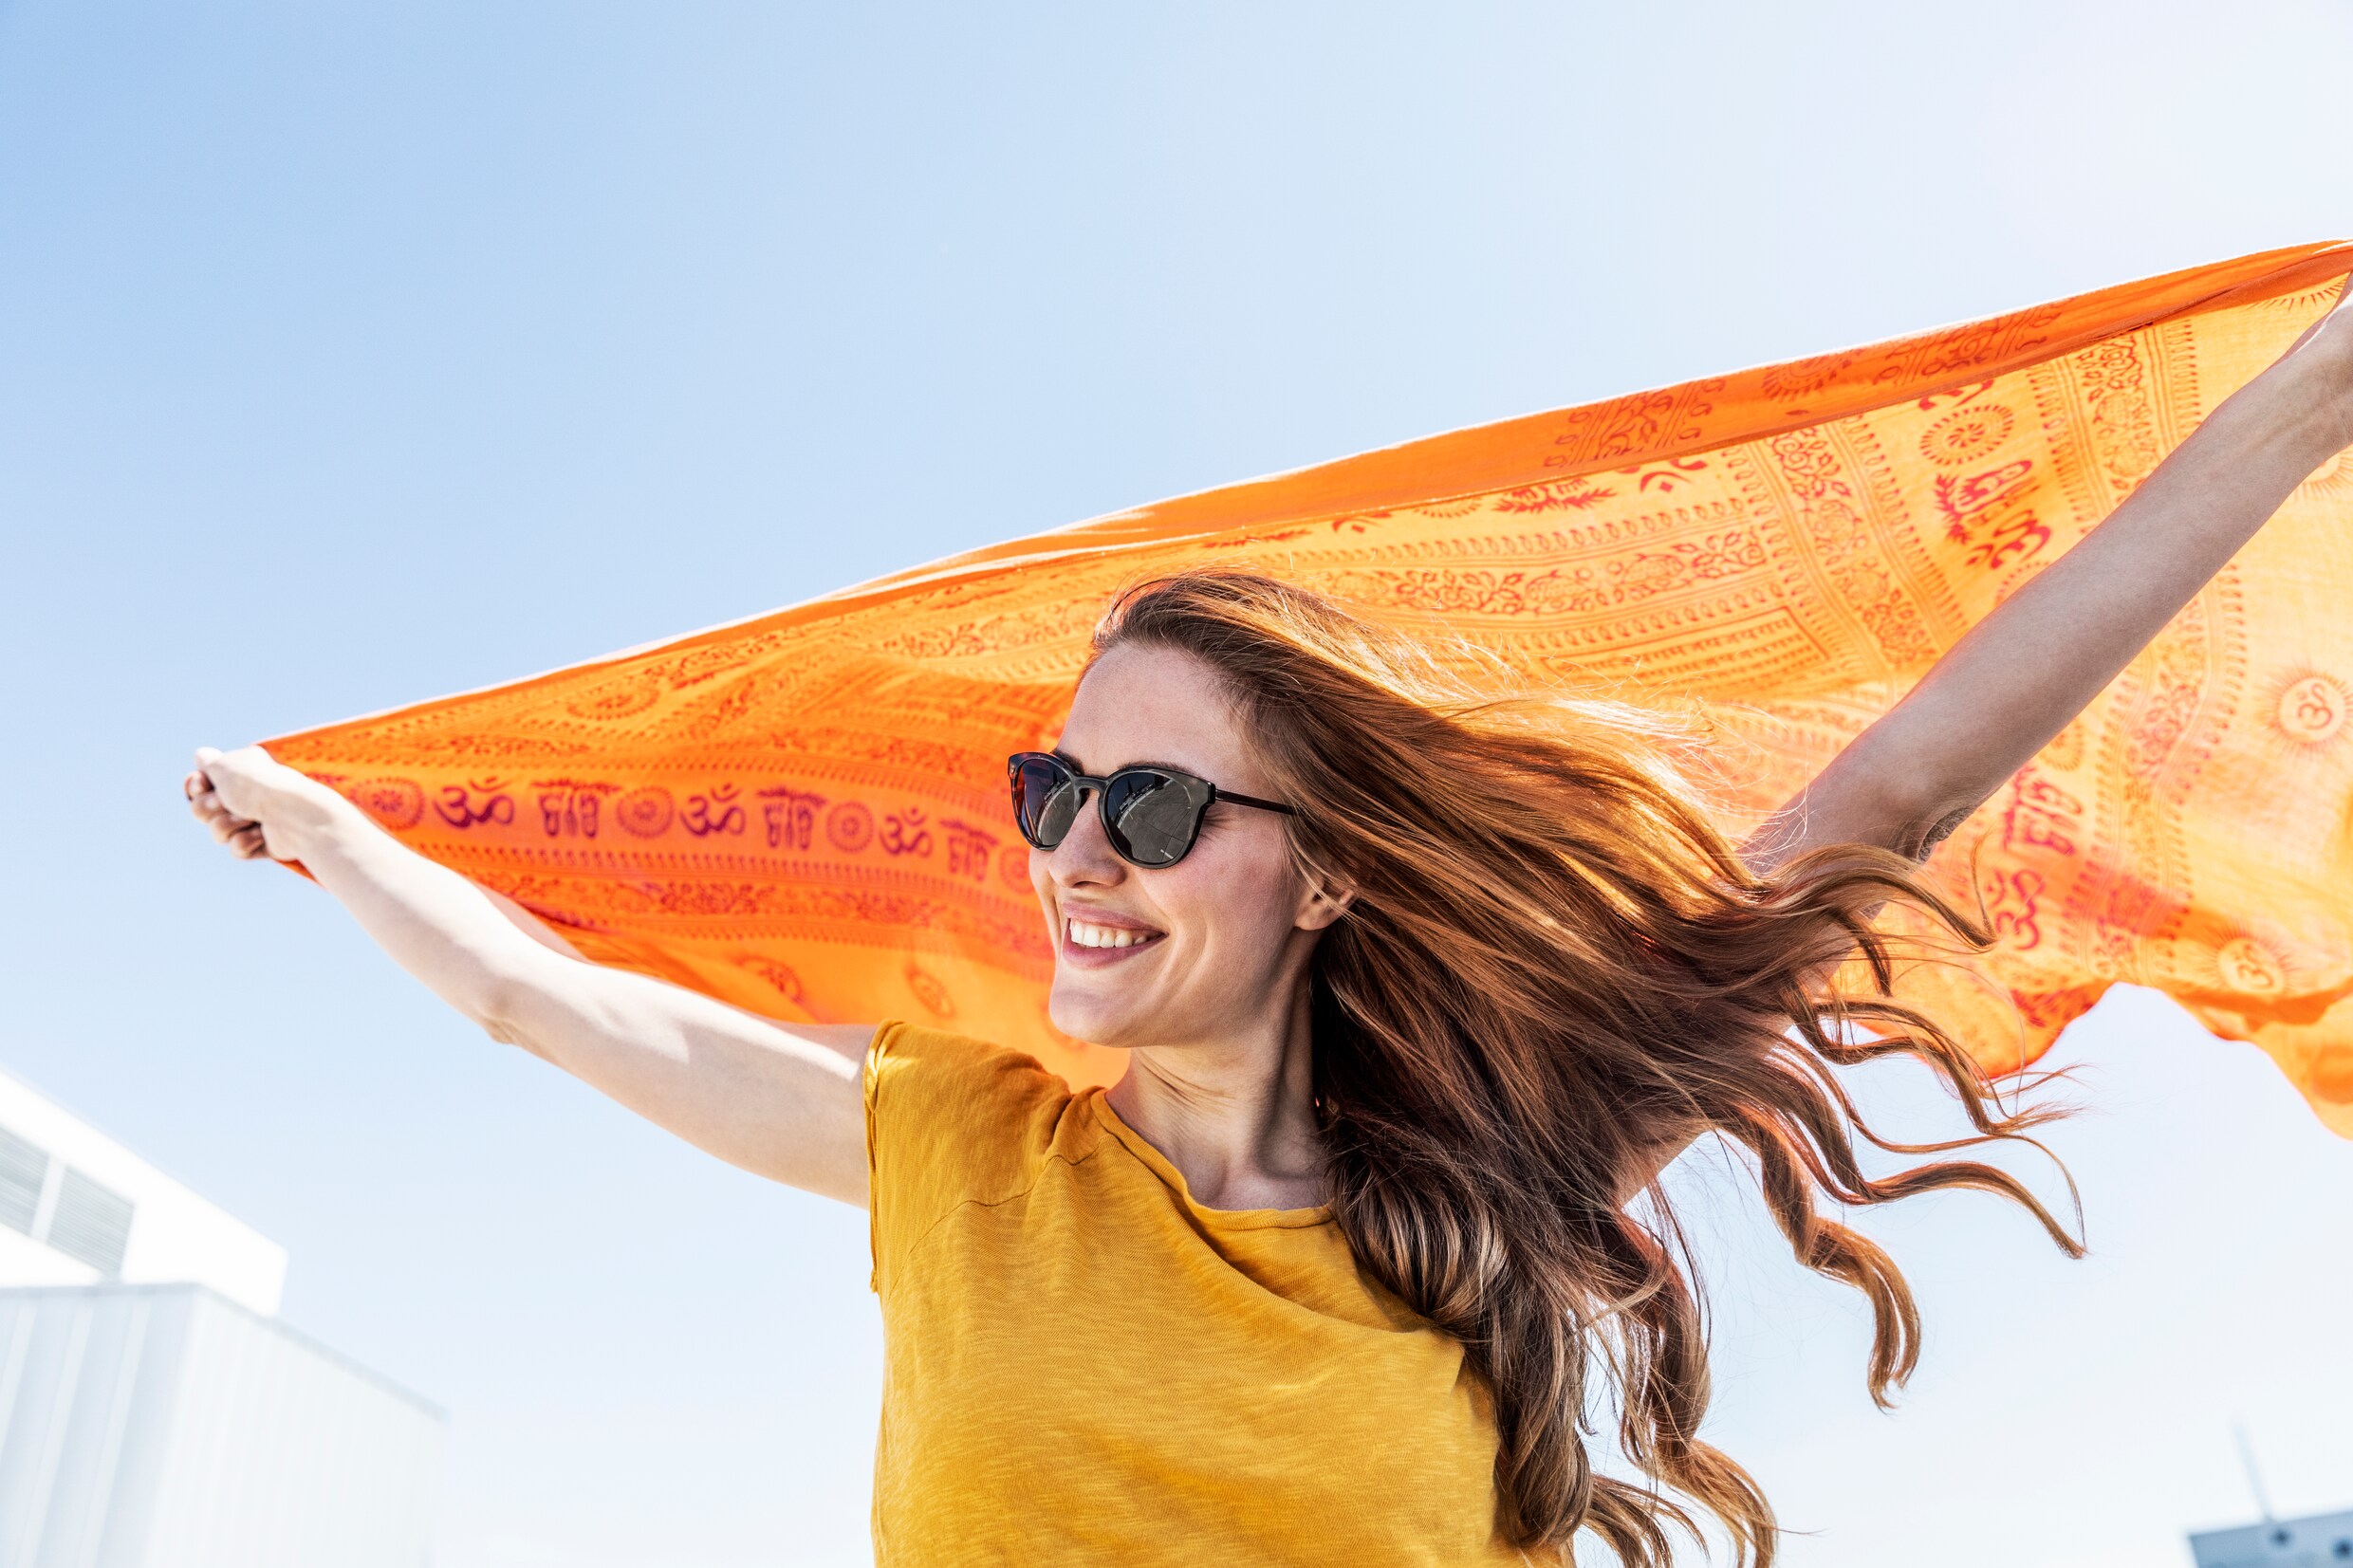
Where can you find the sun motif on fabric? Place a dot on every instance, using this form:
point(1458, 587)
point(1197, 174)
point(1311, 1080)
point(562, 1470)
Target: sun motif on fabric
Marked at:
point(849, 826)
point(2308, 708)
point(2251, 966)
point(619, 699)
point(645, 812)
point(397, 804)
point(1967, 434)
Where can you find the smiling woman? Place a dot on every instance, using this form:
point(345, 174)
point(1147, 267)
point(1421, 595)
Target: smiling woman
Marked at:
point(1417, 981)
point(1488, 967)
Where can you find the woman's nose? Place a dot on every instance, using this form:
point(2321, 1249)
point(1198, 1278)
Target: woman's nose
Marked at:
point(1085, 853)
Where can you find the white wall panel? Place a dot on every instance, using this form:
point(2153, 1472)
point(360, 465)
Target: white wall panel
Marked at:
point(166, 1427)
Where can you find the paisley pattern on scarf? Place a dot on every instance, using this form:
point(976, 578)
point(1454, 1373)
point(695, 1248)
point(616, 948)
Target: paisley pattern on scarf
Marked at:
point(803, 814)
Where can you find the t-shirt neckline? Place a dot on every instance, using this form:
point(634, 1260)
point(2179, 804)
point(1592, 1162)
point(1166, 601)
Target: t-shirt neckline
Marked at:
point(1173, 1179)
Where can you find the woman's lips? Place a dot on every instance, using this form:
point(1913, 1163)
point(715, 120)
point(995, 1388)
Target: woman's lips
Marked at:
point(1080, 954)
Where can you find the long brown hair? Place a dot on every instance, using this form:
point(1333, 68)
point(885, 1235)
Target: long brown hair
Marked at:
point(1555, 965)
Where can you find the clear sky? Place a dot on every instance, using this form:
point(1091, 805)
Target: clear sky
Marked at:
point(354, 354)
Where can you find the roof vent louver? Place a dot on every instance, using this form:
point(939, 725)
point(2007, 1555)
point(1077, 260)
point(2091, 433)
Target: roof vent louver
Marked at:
point(92, 1222)
point(23, 1168)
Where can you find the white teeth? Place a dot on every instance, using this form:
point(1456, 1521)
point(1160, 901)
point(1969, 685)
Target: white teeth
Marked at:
point(1084, 935)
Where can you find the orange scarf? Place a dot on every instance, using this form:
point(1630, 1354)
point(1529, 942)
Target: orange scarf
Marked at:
point(805, 813)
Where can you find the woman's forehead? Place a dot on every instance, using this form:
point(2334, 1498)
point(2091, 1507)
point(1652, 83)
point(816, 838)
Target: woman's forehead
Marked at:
point(1153, 704)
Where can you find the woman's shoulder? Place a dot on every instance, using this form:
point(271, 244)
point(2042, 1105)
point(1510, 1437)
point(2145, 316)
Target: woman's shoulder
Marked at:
point(953, 1118)
point(953, 1074)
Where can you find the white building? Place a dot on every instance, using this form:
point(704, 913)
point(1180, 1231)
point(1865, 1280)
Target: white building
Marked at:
point(77, 1208)
point(154, 1414)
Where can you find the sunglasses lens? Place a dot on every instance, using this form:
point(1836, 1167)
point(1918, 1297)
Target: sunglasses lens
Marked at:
point(1154, 815)
point(1044, 802)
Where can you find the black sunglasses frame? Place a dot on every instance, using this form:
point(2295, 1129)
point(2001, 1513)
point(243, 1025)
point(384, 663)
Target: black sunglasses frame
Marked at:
point(1103, 786)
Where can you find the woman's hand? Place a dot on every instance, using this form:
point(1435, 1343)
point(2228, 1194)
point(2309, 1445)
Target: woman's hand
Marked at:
point(255, 803)
point(1999, 695)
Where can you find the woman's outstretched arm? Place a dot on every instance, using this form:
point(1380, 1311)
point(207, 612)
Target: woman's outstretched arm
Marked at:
point(2008, 687)
point(780, 1100)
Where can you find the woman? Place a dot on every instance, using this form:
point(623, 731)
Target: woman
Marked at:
point(1419, 986)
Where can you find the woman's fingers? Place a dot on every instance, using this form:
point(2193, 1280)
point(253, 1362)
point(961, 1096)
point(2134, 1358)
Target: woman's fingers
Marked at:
point(244, 836)
point(203, 803)
point(207, 807)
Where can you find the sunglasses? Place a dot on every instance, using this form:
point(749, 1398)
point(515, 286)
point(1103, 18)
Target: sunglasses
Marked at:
point(1151, 815)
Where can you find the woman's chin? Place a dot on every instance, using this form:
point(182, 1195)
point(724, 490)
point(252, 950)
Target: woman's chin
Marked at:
point(1090, 1018)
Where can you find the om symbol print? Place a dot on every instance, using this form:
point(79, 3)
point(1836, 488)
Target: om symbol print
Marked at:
point(2311, 710)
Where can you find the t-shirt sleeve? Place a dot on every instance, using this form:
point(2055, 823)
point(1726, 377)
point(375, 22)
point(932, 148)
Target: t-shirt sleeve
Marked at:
point(950, 1120)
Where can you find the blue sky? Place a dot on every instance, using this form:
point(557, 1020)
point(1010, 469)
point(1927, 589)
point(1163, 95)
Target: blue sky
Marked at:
point(350, 355)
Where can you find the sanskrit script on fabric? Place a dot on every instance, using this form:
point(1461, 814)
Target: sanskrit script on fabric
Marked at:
point(804, 815)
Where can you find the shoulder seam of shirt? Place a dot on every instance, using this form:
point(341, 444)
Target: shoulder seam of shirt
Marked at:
point(1028, 1186)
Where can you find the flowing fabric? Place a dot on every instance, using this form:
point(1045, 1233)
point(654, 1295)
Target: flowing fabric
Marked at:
point(805, 813)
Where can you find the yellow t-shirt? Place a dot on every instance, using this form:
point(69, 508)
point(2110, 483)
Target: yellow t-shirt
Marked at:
point(1085, 1366)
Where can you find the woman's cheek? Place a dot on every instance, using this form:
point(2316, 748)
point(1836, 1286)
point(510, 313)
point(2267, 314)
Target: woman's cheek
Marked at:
point(1244, 913)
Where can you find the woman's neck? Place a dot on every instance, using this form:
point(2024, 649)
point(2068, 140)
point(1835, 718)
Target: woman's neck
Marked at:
point(1235, 1117)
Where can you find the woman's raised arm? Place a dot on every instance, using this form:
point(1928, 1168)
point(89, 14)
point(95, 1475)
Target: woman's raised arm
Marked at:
point(780, 1100)
point(2004, 690)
